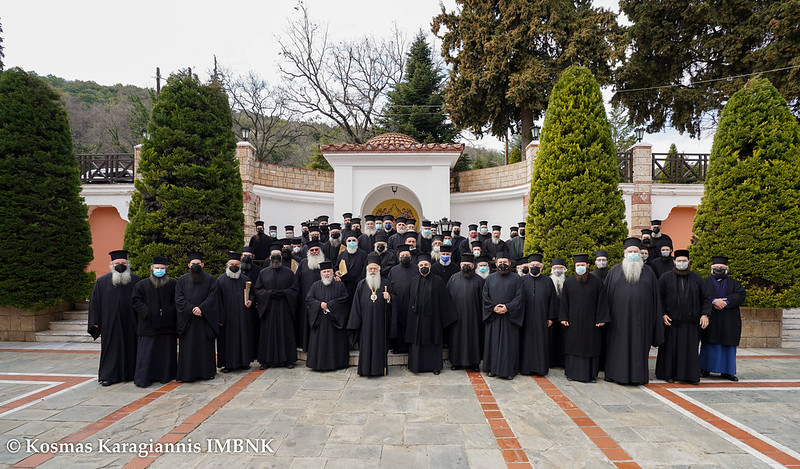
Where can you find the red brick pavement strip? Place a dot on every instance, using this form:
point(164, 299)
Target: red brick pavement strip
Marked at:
point(599, 437)
point(89, 430)
point(194, 420)
point(512, 451)
point(664, 390)
point(66, 382)
point(42, 350)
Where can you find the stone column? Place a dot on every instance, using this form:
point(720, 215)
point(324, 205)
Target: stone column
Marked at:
point(137, 155)
point(246, 154)
point(641, 200)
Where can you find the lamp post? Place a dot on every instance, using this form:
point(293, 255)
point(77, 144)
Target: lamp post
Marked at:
point(639, 134)
point(245, 133)
point(445, 225)
point(535, 130)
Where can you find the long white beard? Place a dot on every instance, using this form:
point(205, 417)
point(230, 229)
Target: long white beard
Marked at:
point(401, 231)
point(315, 260)
point(495, 240)
point(336, 242)
point(374, 281)
point(233, 275)
point(632, 269)
point(369, 231)
point(483, 275)
point(353, 250)
point(558, 281)
point(121, 279)
point(435, 255)
point(326, 281)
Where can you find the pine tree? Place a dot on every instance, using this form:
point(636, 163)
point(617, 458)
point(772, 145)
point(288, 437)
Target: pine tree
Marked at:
point(415, 106)
point(189, 196)
point(749, 210)
point(2, 55)
point(45, 240)
point(575, 203)
point(621, 129)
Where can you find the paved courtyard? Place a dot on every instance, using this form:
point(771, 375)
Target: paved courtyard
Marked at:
point(54, 414)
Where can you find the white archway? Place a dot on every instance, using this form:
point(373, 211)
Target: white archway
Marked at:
point(386, 192)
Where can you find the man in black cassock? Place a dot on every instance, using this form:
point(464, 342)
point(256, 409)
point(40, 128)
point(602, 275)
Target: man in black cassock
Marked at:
point(686, 303)
point(600, 265)
point(366, 241)
point(399, 236)
point(630, 305)
point(198, 322)
point(388, 258)
point(721, 337)
point(370, 315)
point(466, 303)
point(334, 245)
point(276, 295)
point(445, 267)
point(541, 310)
point(154, 302)
point(327, 310)
point(428, 315)
point(307, 273)
point(235, 343)
point(494, 244)
point(503, 313)
point(251, 271)
point(399, 279)
point(111, 315)
point(558, 274)
point(664, 262)
point(355, 262)
point(260, 242)
point(578, 315)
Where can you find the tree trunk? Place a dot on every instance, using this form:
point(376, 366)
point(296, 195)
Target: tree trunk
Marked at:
point(526, 118)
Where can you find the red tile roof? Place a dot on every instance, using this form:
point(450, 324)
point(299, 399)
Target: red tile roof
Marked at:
point(392, 142)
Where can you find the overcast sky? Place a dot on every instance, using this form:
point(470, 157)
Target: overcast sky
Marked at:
point(124, 42)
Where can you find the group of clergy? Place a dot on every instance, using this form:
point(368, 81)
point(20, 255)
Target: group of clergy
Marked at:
point(339, 287)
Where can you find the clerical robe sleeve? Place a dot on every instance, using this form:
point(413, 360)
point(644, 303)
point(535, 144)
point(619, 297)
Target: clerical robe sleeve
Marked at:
point(516, 307)
point(313, 306)
point(139, 303)
point(354, 321)
point(737, 294)
point(95, 312)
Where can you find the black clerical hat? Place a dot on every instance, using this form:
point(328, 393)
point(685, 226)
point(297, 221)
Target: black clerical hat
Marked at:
point(426, 223)
point(521, 224)
point(719, 260)
point(411, 221)
point(297, 240)
point(388, 218)
point(655, 222)
point(259, 223)
point(288, 228)
point(501, 255)
point(160, 260)
point(234, 256)
point(445, 248)
point(513, 229)
point(347, 215)
point(600, 253)
point(322, 218)
point(477, 243)
point(558, 261)
point(247, 249)
point(273, 227)
point(313, 244)
point(497, 228)
point(373, 258)
point(473, 227)
point(355, 220)
point(457, 223)
point(195, 255)
point(423, 257)
point(483, 222)
point(118, 254)
point(326, 265)
point(400, 220)
point(467, 257)
point(381, 238)
point(632, 242)
point(403, 247)
point(535, 258)
point(681, 253)
point(580, 258)
point(369, 217)
point(275, 247)
point(647, 231)
point(334, 226)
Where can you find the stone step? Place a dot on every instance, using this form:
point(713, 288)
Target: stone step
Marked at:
point(791, 314)
point(790, 325)
point(73, 315)
point(790, 343)
point(788, 334)
point(69, 325)
point(82, 306)
point(63, 336)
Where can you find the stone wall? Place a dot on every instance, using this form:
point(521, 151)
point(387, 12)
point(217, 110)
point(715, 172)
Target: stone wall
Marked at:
point(761, 327)
point(289, 177)
point(486, 179)
point(19, 325)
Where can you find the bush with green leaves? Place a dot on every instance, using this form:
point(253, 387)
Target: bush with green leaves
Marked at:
point(575, 203)
point(189, 195)
point(45, 240)
point(750, 210)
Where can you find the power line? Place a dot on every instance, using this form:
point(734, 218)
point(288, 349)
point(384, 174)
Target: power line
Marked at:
point(709, 80)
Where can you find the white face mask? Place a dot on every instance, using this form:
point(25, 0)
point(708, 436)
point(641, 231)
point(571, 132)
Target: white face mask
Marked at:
point(601, 264)
point(682, 265)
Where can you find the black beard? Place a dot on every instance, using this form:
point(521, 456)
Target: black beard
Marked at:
point(680, 272)
point(275, 263)
point(504, 272)
point(247, 265)
point(197, 277)
point(582, 278)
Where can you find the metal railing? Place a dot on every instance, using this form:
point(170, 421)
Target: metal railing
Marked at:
point(625, 166)
point(680, 168)
point(107, 168)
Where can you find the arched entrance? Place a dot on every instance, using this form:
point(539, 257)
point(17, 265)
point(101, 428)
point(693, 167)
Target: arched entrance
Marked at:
point(395, 200)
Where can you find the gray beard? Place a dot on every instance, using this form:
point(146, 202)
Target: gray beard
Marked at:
point(369, 231)
point(521, 273)
point(121, 279)
point(314, 261)
point(374, 281)
point(435, 255)
point(427, 236)
point(445, 263)
point(233, 275)
point(484, 275)
point(632, 269)
point(402, 231)
point(656, 235)
point(558, 281)
point(158, 282)
point(495, 240)
point(336, 242)
point(326, 281)
point(352, 251)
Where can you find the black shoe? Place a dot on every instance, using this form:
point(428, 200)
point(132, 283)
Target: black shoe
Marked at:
point(263, 367)
point(225, 370)
point(705, 374)
point(456, 367)
point(592, 380)
point(244, 367)
point(526, 373)
point(729, 377)
point(670, 380)
point(105, 383)
point(436, 372)
point(490, 374)
point(290, 365)
point(509, 378)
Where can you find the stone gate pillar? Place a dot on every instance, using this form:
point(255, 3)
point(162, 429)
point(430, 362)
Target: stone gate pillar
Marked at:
point(641, 200)
point(246, 154)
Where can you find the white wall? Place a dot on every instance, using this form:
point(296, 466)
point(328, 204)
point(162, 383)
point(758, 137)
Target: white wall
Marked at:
point(290, 207)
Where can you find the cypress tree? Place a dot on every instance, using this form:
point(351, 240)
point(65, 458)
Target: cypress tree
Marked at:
point(45, 241)
point(189, 195)
point(749, 210)
point(575, 203)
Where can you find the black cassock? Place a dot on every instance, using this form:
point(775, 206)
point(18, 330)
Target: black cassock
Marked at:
point(196, 354)
point(371, 319)
point(235, 343)
point(445, 271)
point(600, 273)
point(276, 294)
point(305, 277)
point(328, 347)
point(661, 265)
point(252, 276)
point(260, 245)
point(501, 346)
point(428, 315)
point(490, 249)
point(388, 260)
point(157, 351)
point(582, 338)
point(684, 298)
point(466, 333)
point(356, 270)
point(632, 313)
point(541, 305)
point(400, 278)
point(110, 309)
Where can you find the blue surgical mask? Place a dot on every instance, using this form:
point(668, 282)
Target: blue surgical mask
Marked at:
point(484, 230)
point(426, 232)
point(159, 272)
point(388, 226)
point(633, 256)
point(483, 269)
point(580, 270)
point(352, 244)
point(447, 242)
point(445, 258)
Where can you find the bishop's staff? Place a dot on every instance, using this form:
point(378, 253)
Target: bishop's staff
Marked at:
point(387, 310)
point(247, 291)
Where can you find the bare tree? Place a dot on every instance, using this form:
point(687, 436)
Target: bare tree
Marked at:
point(262, 108)
point(344, 82)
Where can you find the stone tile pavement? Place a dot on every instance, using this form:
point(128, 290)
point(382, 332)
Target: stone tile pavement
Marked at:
point(54, 414)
